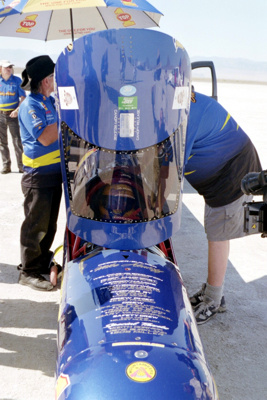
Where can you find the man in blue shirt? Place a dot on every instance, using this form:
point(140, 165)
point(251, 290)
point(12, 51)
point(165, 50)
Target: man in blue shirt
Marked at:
point(218, 155)
point(11, 96)
point(41, 181)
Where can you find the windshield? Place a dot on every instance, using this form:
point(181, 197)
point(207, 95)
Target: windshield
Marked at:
point(123, 186)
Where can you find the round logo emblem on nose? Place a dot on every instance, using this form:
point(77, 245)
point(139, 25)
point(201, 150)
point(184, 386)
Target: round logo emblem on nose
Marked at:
point(127, 90)
point(141, 371)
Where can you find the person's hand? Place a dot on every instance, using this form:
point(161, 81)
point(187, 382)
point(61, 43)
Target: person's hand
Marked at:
point(14, 113)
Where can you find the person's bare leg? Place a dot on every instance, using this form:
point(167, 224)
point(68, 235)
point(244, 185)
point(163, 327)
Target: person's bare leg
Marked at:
point(53, 275)
point(217, 262)
point(211, 302)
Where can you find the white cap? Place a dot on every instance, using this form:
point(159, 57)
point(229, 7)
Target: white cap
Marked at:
point(6, 63)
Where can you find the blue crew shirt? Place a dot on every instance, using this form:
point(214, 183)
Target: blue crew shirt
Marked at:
point(41, 163)
point(10, 93)
point(218, 152)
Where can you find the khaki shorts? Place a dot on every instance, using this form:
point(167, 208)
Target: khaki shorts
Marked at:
point(226, 222)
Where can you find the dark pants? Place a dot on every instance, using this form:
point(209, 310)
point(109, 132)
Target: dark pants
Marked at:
point(13, 125)
point(41, 208)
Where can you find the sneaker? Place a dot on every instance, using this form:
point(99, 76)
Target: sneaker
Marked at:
point(35, 281)
point(222, 307)
point(6, 170)
point(205, 311)
point(198, 298)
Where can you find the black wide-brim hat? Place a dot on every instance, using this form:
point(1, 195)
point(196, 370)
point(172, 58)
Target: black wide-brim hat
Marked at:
point(36, 70)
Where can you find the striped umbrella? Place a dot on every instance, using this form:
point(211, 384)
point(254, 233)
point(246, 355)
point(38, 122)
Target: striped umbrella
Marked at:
point(69, 19)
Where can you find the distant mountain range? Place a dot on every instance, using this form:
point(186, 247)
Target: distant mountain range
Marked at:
point(20, 57)
point(226, 68)
point(236, 69)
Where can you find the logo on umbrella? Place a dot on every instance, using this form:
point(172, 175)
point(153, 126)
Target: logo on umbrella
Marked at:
point(27, 24)
point(124, 17)
point(129, 3)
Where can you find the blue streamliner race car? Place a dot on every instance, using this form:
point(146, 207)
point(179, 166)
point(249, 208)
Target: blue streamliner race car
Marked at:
point(126, 326)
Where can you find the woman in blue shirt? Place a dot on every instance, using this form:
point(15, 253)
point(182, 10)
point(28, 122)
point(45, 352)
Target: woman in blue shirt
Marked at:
point(41, 181)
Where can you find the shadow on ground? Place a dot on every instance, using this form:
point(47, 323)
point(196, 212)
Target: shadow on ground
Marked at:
point(19, 317)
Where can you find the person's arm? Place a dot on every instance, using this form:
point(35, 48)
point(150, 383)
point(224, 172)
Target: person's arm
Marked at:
point(49, 135)
point(15, 112)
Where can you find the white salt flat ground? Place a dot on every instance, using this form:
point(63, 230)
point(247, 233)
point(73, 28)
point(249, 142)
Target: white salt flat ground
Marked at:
point(235, 342)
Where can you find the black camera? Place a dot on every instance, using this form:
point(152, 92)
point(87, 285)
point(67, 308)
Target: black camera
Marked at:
point(255, 213)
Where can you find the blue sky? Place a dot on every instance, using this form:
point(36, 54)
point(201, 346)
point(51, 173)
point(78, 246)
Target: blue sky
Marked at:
point(207, 28)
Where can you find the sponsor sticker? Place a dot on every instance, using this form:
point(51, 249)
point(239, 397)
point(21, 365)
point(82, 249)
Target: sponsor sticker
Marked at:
point(127, 125)
point(127, 90)
point(127, 103)
point(181, 98)
point(68, 98)
point(141, 372)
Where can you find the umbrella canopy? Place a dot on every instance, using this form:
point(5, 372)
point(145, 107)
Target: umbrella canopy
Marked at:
point(64, 19)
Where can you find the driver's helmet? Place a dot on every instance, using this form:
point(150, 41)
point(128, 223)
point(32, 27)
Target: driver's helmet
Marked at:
point(118, 202)
point(121, 200)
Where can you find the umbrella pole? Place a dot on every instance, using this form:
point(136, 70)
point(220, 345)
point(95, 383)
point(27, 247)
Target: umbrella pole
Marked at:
point(71, 25)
